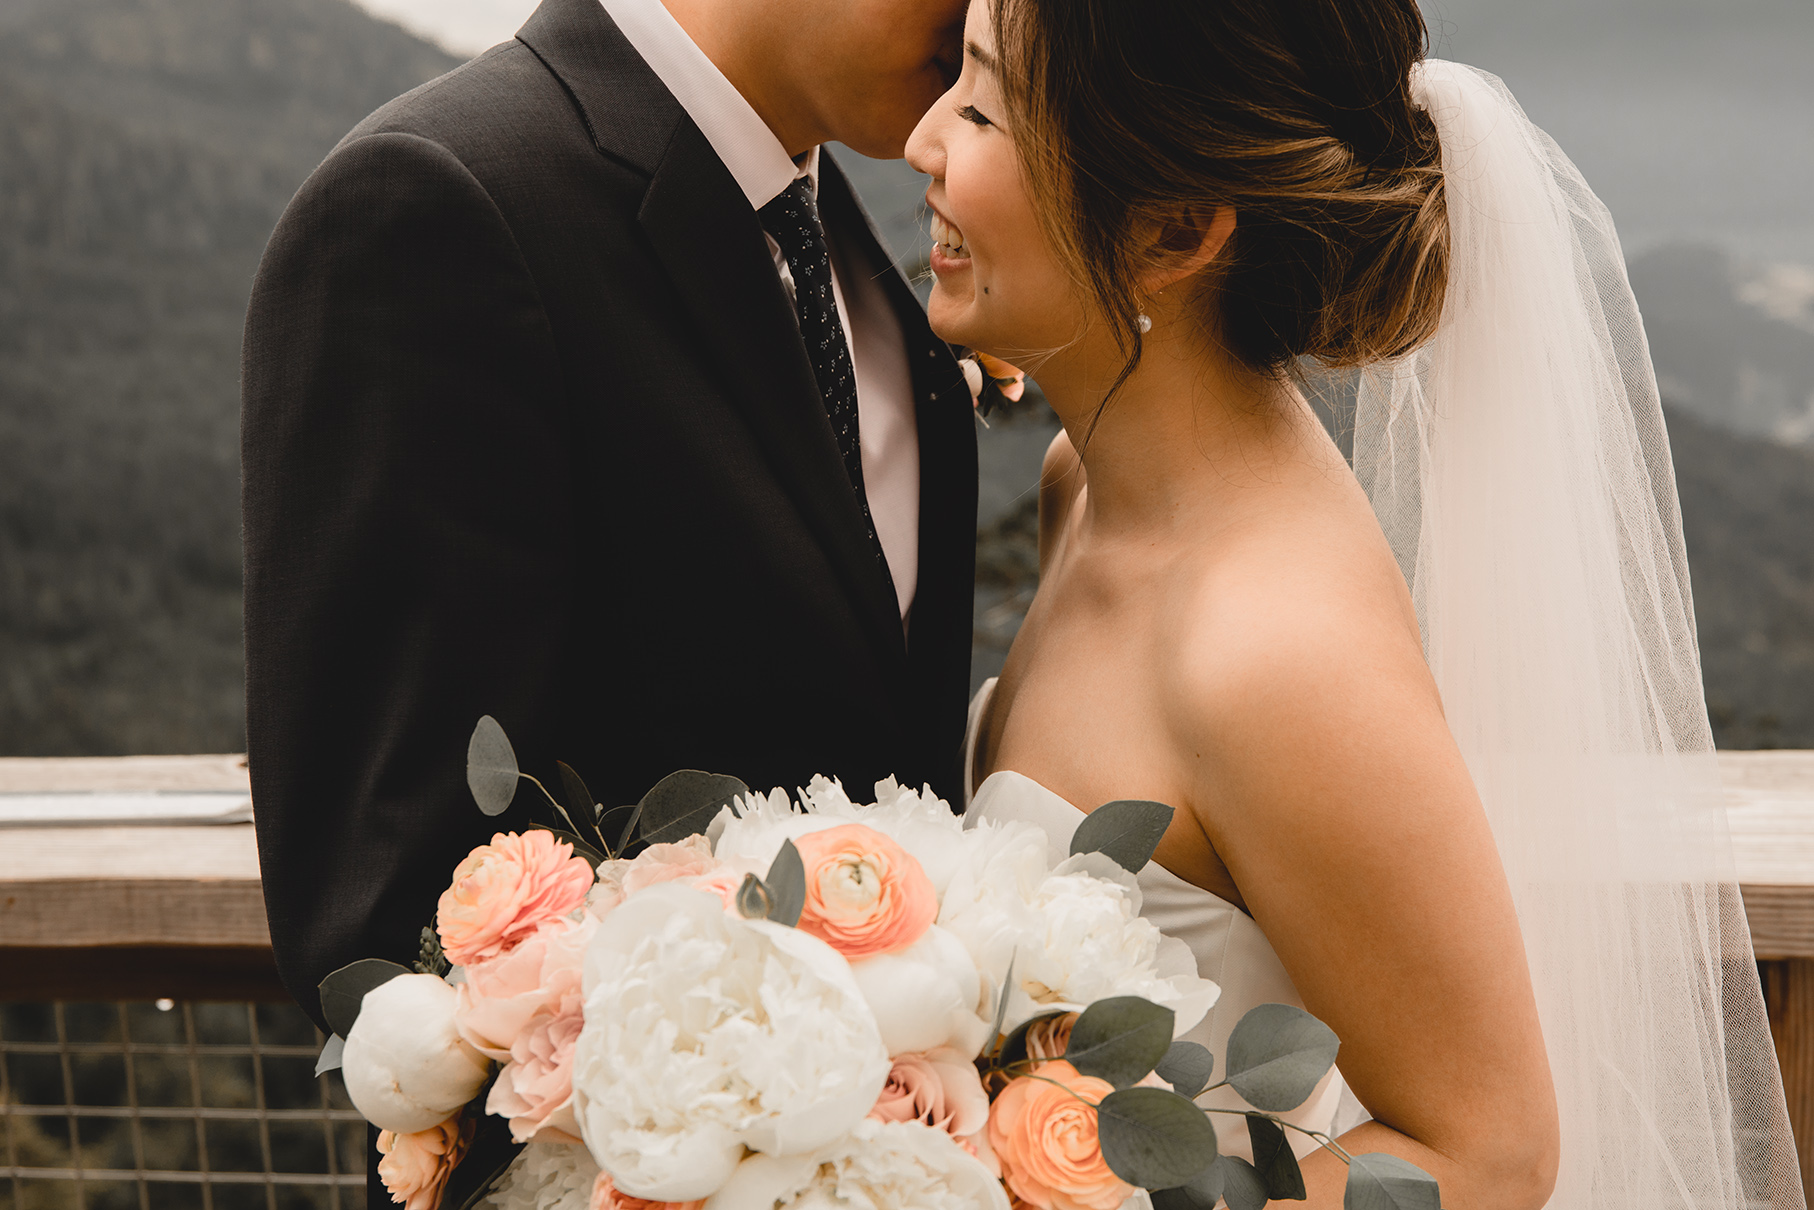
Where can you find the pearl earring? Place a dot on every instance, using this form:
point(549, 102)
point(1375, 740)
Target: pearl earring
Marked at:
point(1145, 322)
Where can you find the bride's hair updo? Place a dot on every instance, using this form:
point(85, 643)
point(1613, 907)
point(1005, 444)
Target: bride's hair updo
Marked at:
point(1297, 113)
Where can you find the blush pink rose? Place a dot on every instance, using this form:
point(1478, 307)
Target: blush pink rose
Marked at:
point(534, 1089)
point(1046, 1141)
point(415, 1167)
point(940, 1088)
point(506, 890)
point(501, 995)
point(621, 878)
point(606, 1197)
point(865, 894)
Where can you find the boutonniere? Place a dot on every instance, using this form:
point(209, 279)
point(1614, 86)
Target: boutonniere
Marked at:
point(992, 382)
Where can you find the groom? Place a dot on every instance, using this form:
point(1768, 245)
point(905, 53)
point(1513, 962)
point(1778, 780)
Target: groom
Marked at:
point(579, 391)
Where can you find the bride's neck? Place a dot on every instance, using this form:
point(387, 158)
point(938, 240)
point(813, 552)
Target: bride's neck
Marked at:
point(1188, 426)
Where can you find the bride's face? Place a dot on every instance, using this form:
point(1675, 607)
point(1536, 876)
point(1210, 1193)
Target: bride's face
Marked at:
point(1000, 285)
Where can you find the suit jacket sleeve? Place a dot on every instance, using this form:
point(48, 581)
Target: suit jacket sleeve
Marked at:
point(408, 520)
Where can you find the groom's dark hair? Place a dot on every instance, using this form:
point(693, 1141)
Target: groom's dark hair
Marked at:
point(1297, 113)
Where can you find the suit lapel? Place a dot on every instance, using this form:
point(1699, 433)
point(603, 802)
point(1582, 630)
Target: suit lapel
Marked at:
point(711, 243)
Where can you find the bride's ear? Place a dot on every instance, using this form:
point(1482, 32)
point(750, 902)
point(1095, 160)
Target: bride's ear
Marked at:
point(1184, 246)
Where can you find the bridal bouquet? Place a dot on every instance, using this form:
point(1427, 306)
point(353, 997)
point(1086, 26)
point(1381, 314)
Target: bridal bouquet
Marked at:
point(731, 1000)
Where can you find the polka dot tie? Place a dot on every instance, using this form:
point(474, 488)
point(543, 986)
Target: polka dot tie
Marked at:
point(793, 219)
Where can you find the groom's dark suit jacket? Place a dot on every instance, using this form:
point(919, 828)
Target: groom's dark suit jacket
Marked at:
point(530, 431)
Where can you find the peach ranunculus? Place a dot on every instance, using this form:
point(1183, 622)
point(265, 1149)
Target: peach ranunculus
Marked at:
point(606, 1197)
point(1046, 1140)
point(506, 890)
point(865, 894)
point(620, 878)
point(499, 996)
point(416, 1166)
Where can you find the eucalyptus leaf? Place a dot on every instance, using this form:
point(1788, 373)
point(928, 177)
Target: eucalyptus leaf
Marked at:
point(623, 841)
point(786, 881)
point(1014, 1046)
point(1001, 1001)
point(685, 802)
point(612, 823)
point(754, 901)
point(344, 991)
point(1201, 1192)
point(1273, 1159)
point(1377, 1181)
point(1120, 1039)
point(1242, 1186)
point(1154, 1138)
point(1127, 830)
point(491, 768)
point(580, 847)
point(331, 1053)
point(1276, 1055)
point(579, 799)
point(1187, 1067)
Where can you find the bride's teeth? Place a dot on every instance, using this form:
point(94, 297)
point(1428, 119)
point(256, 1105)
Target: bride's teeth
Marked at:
point(947, 237)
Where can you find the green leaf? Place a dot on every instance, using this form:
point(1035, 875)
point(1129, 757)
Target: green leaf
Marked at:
point(684, 803)
point(579, 799)
point(1127, 830)
point(580, 847)
point(491, 769)
point(1120, 1039)
point(1001, 1001)
point(1201, 1192)
point(1377, 1181)
point(754, 900)
point(786, 881)
point(1187, 1067)
point(344, 991)
point(1276, 1055)
point(332, 1052)
point(1154, 1138)
point(1273, 1159)
point(1014, 1046)
point(1242, 1186)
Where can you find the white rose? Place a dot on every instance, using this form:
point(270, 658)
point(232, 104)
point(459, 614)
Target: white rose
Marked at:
point(881, 1165)
point(705, 1034)
point(405, 1065)
point(925, 996)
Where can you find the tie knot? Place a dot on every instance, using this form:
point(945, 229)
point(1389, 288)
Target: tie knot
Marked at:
point(792, 217)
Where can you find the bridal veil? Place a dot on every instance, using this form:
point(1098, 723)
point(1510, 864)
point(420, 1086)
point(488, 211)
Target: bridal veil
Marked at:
point(1519, 465)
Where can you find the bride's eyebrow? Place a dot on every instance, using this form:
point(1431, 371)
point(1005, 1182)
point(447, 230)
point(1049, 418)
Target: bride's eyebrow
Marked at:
point(982, 56)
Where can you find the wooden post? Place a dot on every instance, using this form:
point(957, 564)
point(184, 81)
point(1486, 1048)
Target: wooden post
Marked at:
point(1789, 999)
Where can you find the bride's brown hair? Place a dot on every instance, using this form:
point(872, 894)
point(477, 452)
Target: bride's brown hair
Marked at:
point(1134, 115)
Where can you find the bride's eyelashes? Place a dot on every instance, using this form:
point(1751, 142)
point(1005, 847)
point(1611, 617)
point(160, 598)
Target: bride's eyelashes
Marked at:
point(973, 115)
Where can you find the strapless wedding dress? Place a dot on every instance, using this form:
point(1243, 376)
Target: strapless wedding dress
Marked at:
point(1230, 948)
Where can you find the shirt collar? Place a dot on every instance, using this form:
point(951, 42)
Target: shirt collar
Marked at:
point(755, 157)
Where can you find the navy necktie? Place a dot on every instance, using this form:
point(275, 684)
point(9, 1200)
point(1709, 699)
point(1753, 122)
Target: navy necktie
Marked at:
point(793, 219)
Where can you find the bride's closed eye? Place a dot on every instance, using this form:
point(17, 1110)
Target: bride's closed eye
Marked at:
point(972, 114)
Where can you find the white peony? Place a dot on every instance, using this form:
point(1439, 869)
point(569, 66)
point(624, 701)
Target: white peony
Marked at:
point(926, 996)
point(920, 822)
point(705, 1034)
point(405, 1065)
point(879, 1166)
point(546, 1175)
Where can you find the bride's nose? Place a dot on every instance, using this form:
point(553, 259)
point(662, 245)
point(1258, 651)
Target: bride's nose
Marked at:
point(926, 147)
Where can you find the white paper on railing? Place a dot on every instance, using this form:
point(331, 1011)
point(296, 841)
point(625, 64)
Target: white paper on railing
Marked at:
point(101, 809)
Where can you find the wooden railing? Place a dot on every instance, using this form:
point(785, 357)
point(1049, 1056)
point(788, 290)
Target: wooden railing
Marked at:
point(134, 912)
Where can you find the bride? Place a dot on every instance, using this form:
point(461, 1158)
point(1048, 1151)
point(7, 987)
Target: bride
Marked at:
point(1433, 726)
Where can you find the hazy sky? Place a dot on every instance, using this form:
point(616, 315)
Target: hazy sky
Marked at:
point(1691, 118)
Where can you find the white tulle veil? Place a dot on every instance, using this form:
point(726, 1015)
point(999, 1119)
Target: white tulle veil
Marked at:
point(1519, 465)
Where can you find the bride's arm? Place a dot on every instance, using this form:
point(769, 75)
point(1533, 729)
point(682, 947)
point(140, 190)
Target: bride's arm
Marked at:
point(1060, 479)
point(1326, 777)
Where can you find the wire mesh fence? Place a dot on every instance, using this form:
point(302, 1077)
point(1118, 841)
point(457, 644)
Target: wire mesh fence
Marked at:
point(172, 1106)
